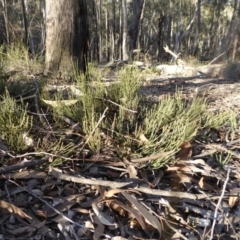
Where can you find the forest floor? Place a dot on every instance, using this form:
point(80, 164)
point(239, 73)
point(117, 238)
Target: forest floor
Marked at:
point(105, 197)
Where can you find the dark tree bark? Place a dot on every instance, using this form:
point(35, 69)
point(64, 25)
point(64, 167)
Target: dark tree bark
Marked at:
point(5, 17)
point(67, 35)
point(25, 23)
point(137, 7)
point(160, 38)
point(82, 42)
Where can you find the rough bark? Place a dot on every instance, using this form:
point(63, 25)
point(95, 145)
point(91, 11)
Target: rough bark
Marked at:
point(66, 35)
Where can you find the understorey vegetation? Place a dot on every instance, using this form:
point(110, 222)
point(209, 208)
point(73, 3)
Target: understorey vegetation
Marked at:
point(108, 114)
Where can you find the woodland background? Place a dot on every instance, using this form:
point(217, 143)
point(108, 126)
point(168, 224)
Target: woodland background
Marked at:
point(196, 29)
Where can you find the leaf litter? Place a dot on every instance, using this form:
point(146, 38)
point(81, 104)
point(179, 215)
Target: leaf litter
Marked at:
point(104, 196)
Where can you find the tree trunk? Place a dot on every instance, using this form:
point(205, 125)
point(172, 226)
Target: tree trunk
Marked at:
point(198, 29)
point(43, 26)
point(160, 38)
point(66, 35)
point(5, 17)
point(28, 38)
point(124, 34)
point(120, 31)
point(98, 11)
point(137, 8)
point(81, 42)
point(106, 33)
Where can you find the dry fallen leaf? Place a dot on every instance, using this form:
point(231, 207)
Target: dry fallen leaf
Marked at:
point(99, 229)
point(149, 218)
point(185, 152)
point(101, 216)
point(60, 103)
point(232, 199)
point(134, 213)
point(10, 208)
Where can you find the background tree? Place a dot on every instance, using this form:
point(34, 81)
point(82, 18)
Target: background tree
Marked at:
point(125, 30)
point(202, 28)
point(137, 9)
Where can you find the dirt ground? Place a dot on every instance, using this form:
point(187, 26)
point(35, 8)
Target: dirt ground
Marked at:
point(221, 93)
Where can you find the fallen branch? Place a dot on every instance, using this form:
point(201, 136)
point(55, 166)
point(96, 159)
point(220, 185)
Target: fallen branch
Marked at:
point(216, 58)
point(53, 172)
point(57, 174)
point(174, 55)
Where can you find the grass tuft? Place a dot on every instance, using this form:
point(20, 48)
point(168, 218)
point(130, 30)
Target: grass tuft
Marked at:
point(14, 123)
point(134, 128)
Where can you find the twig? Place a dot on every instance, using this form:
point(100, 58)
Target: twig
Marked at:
point(216, 58)
point(129, 110)
point(90, 135)
point(218, 204)
point(83, 180)
point(36, 101)
point(25, 98)
point(153, 157)
point(19, 166)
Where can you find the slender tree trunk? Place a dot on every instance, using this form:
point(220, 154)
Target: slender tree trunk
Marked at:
point(43, 26)
point(106, 34)
point(137, 8)
point(114, 27)
point(5, 17)
point(125, 31)
point(160, 38)
point(98, 9)
point(25, 23)
point(81, 42)
point(28, 39)
point(140, 32)
point(169, 29)
point(198, 28)
point(120, 31)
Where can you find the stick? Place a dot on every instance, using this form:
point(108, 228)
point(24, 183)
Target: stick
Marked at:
point(216, 58)
point(129, 110)
point(19, 166)
point(174, 55)
point(153, 157)
point(99, 121)
point(55, 173)
point(36, 102)
point(218, 205)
